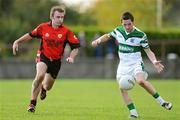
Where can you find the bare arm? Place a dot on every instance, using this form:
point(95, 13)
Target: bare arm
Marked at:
point(72, 55)
point(16, 43)
point(101, 39)
point(157, 64)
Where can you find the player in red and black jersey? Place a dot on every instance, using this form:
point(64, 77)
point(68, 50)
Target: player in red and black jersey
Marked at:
point(53, 35)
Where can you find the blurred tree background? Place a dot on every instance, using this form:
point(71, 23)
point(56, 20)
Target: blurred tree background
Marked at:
point(20, 16)
point(108, 12)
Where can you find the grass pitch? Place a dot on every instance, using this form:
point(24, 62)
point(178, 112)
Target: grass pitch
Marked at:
point(86, 99)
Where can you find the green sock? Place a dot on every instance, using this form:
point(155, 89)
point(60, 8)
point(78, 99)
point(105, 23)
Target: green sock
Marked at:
point(132, 109)
point(159, 99)
point(156, 95)
point(131, 106)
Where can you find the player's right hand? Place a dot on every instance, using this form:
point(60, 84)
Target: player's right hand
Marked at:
point(94, 43)
point(15, 48)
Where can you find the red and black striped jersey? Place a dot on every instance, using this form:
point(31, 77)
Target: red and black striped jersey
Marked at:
point(53, 40)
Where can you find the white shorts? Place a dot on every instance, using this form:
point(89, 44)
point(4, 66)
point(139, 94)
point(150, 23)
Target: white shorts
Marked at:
point(131, 70)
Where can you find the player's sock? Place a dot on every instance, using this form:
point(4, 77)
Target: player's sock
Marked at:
point(132, 109)
point(31, 106)
point(43, 88)
point(33, 102)
point(43, 93)
point(159, 99)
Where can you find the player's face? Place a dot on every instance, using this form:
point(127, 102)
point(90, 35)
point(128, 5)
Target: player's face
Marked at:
point(58, 18)
point(128, 25)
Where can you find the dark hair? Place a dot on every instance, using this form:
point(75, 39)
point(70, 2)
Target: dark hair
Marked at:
point(127, 16)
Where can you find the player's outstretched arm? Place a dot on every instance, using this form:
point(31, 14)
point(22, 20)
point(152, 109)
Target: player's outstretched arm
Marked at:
point(99, 40)
point(157, 64)
point(16, 43)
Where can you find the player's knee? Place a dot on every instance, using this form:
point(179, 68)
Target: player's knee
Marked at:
point(141, 82)
point(47, 87)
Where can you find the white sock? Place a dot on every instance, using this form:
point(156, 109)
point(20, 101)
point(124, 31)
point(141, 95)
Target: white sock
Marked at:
point(134, 112)
point(160, 100)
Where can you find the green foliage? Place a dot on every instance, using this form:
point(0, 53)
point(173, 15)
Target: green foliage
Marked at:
point(13, 28)
point(153, 34)
point(75, 18)
point(5, 7)
point(163, 34)
point(108, 12)
point(22, 16)
point(19, 17)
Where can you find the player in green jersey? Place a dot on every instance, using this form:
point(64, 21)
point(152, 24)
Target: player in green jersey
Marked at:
point(131, 40)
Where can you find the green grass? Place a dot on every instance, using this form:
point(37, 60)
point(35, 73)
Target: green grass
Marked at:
point(86, 99)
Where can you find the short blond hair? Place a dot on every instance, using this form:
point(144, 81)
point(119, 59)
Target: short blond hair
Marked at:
point(60, 9)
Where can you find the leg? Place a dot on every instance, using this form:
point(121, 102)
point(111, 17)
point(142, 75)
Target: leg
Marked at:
point(129, 103)
point(48, 82)
point(120, 72)
point(50, 76)
point(36, 85)
point(126, 97)
point(145, 84)
point(150, 89)
point(41, 71)
point(46, 85)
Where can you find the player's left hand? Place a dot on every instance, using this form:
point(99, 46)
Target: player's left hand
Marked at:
point(15, 47)
point(70, 60)
point(159, 67)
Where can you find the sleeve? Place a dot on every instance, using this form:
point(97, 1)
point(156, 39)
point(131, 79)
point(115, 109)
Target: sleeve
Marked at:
point(73, 40)
point(112, 34)
point(37, 32)
point(144, 42)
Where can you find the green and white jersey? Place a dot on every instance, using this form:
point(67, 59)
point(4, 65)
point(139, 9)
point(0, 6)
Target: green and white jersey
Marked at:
point(130, 44)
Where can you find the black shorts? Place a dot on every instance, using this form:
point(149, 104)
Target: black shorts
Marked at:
point(53, 66)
